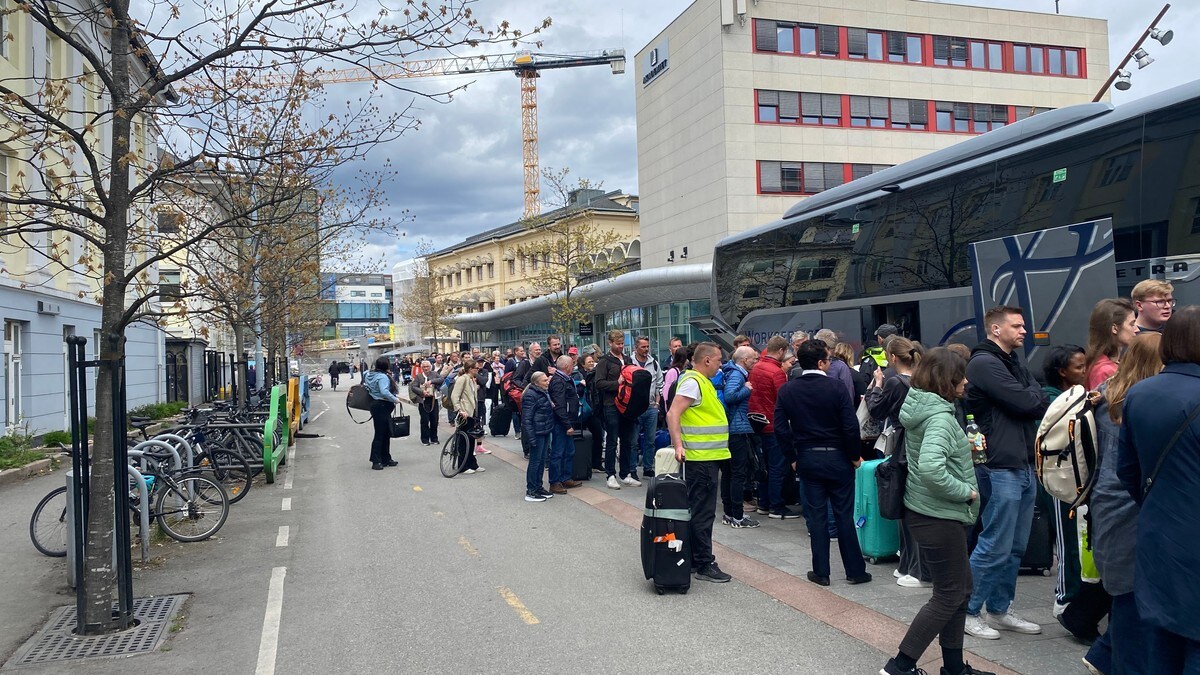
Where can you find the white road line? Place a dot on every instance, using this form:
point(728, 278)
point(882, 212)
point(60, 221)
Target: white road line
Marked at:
point(268, 644)
point(282, 538)
point(318, 416)
point(287, 478)
point(287, 503)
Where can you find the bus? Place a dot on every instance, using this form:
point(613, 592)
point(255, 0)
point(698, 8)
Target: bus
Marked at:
point(896, 246)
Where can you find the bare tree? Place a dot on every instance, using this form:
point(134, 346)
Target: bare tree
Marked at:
point(88, 177)
point(570, 246)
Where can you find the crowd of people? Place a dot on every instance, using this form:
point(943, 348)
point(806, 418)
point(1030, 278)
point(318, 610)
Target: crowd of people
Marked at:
point(767, 427)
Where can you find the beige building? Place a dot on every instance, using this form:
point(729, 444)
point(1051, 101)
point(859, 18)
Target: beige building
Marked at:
point(489, 270)
point(744, 108)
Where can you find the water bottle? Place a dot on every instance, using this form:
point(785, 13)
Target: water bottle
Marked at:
point(977, 440)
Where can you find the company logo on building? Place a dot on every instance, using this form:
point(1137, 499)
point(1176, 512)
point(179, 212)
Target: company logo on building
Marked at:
point(656, 63)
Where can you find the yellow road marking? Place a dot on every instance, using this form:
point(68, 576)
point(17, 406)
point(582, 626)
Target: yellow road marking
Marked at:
point(416, 488)
point(462, 541)
point(518, 606)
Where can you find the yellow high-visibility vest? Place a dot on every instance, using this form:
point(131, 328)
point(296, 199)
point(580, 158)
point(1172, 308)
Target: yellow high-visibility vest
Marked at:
point(704, 427)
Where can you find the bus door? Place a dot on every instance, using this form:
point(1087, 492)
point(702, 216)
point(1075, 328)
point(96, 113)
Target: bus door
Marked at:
point(847, 323)
point(905, 316)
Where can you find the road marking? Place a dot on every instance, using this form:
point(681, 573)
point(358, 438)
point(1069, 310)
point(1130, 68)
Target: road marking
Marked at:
point(268, 644)
point(462, 541)
point(287, 478)
point(519, 607)
point(417, 488)
point(439, 514)
point(287, 503)
point(318, 416)
point(281, 539)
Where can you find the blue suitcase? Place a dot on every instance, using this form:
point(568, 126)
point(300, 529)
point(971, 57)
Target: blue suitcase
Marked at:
point(878, 537)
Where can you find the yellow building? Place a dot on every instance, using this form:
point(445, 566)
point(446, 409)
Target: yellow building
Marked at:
point(47, 291)
point(491, 270)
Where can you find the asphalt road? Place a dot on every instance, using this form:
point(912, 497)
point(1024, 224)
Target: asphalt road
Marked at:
point(403, 570)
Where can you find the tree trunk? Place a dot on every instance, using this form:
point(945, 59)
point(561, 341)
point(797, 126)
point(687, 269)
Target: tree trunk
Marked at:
point(99, 577)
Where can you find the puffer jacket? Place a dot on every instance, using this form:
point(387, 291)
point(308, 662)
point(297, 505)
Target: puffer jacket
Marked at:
point(537, 412)
point(941, 474)
point(767, 377)
point(1112, 511)
point(737, 399)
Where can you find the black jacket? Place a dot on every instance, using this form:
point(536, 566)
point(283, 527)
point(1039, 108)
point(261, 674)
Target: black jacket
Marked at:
point(524, 372)
point(608, 372)
point(544, 362)
point(815, 411)
point(884, 404)
point(1007, 403)
point(566, 400)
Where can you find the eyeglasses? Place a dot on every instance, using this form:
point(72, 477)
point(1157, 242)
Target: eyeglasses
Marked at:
point(1162, 304)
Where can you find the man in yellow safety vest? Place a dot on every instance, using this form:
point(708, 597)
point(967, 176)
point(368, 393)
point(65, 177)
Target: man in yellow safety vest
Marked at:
point(700, 435)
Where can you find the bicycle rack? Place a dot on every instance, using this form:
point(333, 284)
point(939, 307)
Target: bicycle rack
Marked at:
point(143, 506)
point(181, 442)
point(140, 448)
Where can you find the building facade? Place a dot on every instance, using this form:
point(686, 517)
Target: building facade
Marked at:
point(490, 270)
point(404, 333)
point(739, 116)
point(359, 307)
point(46, 292)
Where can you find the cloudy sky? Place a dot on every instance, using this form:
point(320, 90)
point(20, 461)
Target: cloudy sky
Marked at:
point(460, 172)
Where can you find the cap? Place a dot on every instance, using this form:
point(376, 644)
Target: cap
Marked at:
point(886, 330)
point(572, 351)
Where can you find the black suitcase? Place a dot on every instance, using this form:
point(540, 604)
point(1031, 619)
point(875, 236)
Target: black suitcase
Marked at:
point(1039, 552)
point(581, 464)
point(501, 421)
point(666, 544)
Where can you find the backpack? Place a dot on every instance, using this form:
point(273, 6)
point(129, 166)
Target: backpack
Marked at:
point(633, 391)
point(446, 389)
point(1065, 449)
point(511, 391)
point(594, 397)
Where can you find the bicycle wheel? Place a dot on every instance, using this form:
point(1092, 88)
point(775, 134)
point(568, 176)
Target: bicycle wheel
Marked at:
point(48, 526)
point(230, 469)
point(452, 460)
point(192, 509)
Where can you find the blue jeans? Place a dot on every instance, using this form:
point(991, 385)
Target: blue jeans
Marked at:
point(562, 453)
point(537, 462)
point(644, 430)
point(1006, 524)
point(828, 479)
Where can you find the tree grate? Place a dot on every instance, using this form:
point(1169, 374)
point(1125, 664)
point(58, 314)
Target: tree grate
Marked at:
point(57, 642)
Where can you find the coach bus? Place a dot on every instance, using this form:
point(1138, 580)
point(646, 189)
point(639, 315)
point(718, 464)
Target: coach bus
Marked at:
point(894, 246)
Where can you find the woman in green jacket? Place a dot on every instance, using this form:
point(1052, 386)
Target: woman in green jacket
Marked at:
point(940, 508)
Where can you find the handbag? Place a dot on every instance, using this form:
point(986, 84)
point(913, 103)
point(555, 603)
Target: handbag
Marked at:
point(399, 426)
point(358, 398)
point(891, 477)
point(868, 427)
point(890, 439)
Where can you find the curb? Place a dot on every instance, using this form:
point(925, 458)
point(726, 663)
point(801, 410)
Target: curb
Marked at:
point(857, 621)
point(20, 473)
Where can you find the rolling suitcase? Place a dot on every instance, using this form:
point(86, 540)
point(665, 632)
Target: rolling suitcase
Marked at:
point(666, 545)
point(1039, 552)
point(878, 537)
point(581, 464)
point(501, 420)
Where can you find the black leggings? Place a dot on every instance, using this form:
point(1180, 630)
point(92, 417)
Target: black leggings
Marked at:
point(381, 418)
point(466, 449)
point(943, 545)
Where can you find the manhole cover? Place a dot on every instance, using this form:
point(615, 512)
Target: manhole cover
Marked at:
point(55, 642)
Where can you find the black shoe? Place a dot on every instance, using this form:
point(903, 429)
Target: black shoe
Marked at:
point(865, 578)
point(435, 442)
point(892, 669)
point(818, 579)
point(786, 513)
point(711, 572)
point(424, 442)
point(377, 466)
point(967, 670)
point(392, 463)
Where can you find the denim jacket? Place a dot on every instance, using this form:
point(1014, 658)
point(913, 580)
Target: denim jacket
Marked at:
point(379, 385)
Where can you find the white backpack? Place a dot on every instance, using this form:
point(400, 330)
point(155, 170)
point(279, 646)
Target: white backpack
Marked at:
point(1066, 444)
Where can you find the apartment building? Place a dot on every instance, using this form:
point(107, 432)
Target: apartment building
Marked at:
point(46, 295)
point(744, 108)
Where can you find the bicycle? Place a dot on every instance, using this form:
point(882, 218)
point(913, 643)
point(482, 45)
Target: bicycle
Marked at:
point(458, 447)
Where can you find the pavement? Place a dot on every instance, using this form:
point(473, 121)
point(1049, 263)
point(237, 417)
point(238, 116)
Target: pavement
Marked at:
point(336, 568)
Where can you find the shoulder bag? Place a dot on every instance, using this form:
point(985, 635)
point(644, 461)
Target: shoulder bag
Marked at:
point(891, 477)
point(1149, 482)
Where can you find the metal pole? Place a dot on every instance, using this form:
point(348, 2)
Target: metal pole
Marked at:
point(79, 469)
point(121, 492)
point(1113, 77)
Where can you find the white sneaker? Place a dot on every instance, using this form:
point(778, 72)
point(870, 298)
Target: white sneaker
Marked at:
point(1012, 621)
point(469, 471)
point(1059, 608)
point(978, 627)
point(909, 581)
point(481, 469)
point(613, 484)
point(631, 481)
point(896, 573)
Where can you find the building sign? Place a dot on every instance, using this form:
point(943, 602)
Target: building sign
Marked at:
point(654, 63)
point(586, 329)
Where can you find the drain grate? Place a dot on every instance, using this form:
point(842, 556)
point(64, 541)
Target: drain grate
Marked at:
point(56, 642)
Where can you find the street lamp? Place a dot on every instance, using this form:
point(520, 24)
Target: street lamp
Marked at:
point(1121, 77)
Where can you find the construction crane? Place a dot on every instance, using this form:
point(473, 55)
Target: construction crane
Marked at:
point(526, 65)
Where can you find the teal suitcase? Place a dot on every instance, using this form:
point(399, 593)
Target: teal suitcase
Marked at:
point(878, 537)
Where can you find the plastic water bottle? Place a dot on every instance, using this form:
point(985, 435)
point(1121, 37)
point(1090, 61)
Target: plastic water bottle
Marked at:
point(977, 440)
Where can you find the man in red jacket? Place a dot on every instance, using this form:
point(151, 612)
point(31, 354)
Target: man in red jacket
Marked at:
point(765, 380)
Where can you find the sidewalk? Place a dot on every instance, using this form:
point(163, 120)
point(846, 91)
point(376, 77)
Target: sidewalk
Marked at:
point(877, 613)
